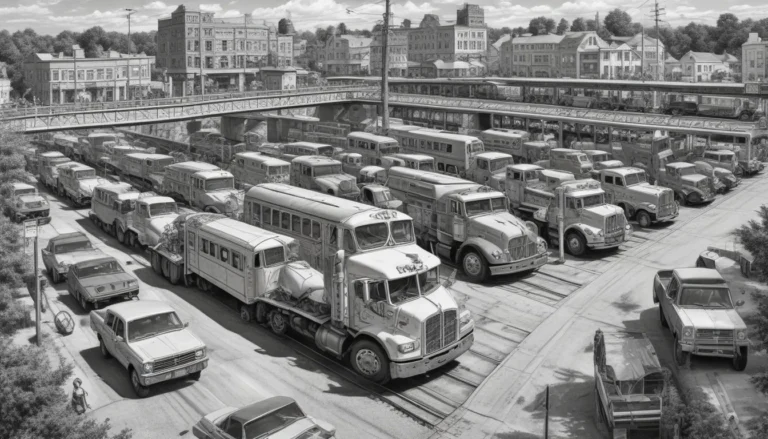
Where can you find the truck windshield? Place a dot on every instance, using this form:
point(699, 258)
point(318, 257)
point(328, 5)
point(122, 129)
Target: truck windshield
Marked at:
point(429, 280)
point(382, 196)
point(88, 173)
point(372, 235)
point(69, 247)
point(426, 166)
point(151, 326)
point(488, 205)
point(29, 191)
point(706, 298)
point(403, 289)
point(217, 184)
point(500, 164)
point(402, 231)
point(599, 158)
point(591, 200)
point(319, 171)
point(636, 178)
point(100, 269)
point(687, 171)
point(162, 209)
point(475, 147)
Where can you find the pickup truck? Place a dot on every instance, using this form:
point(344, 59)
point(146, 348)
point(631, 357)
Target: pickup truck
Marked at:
point(96, 281)
point(150, 341)
point(696, 305)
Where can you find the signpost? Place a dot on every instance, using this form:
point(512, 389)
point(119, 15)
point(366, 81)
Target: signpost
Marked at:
point(31, 229)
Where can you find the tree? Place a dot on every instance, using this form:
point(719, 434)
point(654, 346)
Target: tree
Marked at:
point(406, 24)
point(754, 238)
point(562, 27)
point(591, 25)
point(541, 25)
point(282, 26)
point(618, 23)
point(341, 29)
point(578, 25)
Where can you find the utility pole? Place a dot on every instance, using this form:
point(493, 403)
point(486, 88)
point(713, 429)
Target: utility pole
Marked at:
point(245, 51)
point(74, 59)
point(31, 231)
point(642, 56)
point(202, 58)
point(130, 51)
point(657, 11)
point(385, 71)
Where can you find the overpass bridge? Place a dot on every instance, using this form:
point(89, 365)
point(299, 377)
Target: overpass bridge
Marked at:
point(125, 113)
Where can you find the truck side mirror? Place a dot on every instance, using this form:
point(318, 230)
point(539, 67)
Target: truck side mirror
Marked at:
point(451, 279)
point(118, 339)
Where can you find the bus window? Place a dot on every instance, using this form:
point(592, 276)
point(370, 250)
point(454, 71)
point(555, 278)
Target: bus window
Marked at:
point(306, 227)
point(286, 221)
point(315, 229)
point(296, 224)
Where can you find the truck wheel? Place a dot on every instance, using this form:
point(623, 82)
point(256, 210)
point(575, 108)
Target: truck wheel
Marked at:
point(575, 243)
point(739, 362)
point(196, 375)
point(662, 318)
point(56, 277)
point(745, 117)
point(643, 219)
point(278, 322)
point(104, 352)
point(369, 360)
point(175, 273)
point(474, 265)
point(682, 358)
point(246, 313)
point(83, 303)
point(120, 234)
point(261, 312)
point(156, 264)
point(141, 391)
point(700, 263)
point(627, 211)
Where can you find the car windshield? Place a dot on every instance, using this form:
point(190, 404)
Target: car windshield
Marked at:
point(372, 235)
point(500, 164)
point(706, 298)
point(150, 326)
point(29, 191)
point(217, 184)
point(591, 200)
point(162, 209)
point(100, 269)
point(487, 205)
point(87, 173)
point(319, 171)
point(636, 178)
point(69, 247)
point(402, 231)
point(274, 421)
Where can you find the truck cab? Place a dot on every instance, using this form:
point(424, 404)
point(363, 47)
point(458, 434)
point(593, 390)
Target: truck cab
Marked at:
point(24, 202)
point(689, 186)
point(530, 187)
point(323, 174)
point(596, 156)
point(77, 183)
point(629, 189)
point(721, 158)
point(697, 307)
point(149, 220)
point(721, 178)
point(380, 196)
point(144, 170)
point(489, 168)
point(351, 162)
point(47, 170)
point(370, 175)
point(608, 164)
point(575, 162)
point(535, 151)
point(111, 207)
point(590, 222)
point(421, 162)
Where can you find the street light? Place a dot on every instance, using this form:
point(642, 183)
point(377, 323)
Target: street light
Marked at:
point(130, 51)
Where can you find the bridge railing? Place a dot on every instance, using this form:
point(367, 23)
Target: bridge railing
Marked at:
point(144, 103)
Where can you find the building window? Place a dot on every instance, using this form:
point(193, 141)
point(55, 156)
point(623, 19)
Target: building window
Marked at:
point(81, 75)
point(208, 62)
point(209, 46)
point(54, 75)
point(224, 62)
point(197, 61)
point(99, 74)
point(606, 56)
point(190, 61)
point(208, 32)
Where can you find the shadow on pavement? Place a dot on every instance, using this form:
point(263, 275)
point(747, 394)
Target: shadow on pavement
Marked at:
point(571, 404)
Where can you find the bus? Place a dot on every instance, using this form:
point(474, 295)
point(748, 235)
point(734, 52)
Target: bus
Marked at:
point(421, 162)
point(298, 149)
point(371, 146)
point(252, 168)
point(453, 153)
point(324, 224)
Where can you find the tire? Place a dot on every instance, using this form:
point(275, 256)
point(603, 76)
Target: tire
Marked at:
point(739, 171)
point(196, 375)
point(83, 303)
point(120, 234)
point(175, 273)
point(662, 318)
point(739, 362)
point(682, 358)
point(278, 322)
point(700, 263)
point(141, 391)
point(369, 361)
point(103, 347)
point(675, 112)
point(246, 313)
point(474, 265)
point(643, 219)
point(157, 264)
point(575, 243)
point(261, 312)
point(55, 276)
point(745, 117)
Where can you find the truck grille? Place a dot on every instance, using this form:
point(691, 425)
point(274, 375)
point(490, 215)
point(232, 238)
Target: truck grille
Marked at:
point(715, 336)
point(521, 248)
point(176, 360)
point(666, 203)
point(440, 330)
point(614, 224)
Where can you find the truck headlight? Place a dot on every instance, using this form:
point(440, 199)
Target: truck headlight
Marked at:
point(628, 227)
point(687, 333)
point(133, 284)
point(148, 367)
point(100, 288)
point(741, 334)
point(588, 231)
point(497, 254)
point(465, 317)
point(408, 347)
point(200, 353)
point(541, 245)
point(652, 206)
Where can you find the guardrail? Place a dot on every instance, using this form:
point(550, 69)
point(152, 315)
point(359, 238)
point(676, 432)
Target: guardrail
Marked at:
point(144, 103)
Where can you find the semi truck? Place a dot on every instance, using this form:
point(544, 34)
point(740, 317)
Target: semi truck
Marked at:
point(203, 186)
point(383, 310)
point(77, 183)
point(47, 168)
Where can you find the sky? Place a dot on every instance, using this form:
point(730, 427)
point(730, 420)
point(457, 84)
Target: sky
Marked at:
point(54, 16)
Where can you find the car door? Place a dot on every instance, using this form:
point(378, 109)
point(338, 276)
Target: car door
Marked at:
point(120, 349)
point(72, 281)
point(48, 256)
point(670, 308)
point(228, 429)
point(108, 336)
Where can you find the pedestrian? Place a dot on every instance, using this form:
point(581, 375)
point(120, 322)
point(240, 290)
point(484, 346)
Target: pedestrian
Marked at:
point(78, 396)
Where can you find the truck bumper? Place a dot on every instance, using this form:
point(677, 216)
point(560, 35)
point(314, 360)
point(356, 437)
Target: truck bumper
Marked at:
point(712, 350)
point(608, 242)
point(524, 264)
point(33, 214)
point(660, 219)
point(111, 296)
point(424, 365)
point(171, 374)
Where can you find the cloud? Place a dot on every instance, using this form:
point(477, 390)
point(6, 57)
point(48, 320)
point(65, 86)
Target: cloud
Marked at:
point(738, 8)
point(215, 7)
point(157, 6)
point(539, 8)
point(25, 10)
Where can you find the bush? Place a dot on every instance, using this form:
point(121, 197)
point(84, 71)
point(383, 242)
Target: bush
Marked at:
point(754, 237)
point(34, 404)
point(697, 418)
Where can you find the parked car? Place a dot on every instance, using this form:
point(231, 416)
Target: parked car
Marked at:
point(276, 417)
point(682, 108)
point(67, 249)
point(100, 280)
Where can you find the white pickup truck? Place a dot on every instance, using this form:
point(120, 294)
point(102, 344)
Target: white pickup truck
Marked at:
point(150, 341)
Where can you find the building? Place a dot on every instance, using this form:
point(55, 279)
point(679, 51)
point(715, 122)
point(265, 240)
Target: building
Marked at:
point(446, 69)
point(701, 66)
point(652, 53)
point(464, 41)
point(673, 70)
point(397, 47)
point(530, 55)
point(494, 54)
point(347, 55)
point(59, 79)
point(222, 53)
point(754, 53)
point(579, 55)
point(5, 84)
point(619, 61)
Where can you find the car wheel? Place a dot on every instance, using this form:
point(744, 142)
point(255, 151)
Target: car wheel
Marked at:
point(246, 313)
point(104, 352)
point(278, 322)
point(662, 318)
point(367, 359)
point(474, 266)
point(140, 390)
point(196, 375)
point(643, 218)
point(682, 358)
point(83, 303)
point(700, 263)
point(739, 362)
point(575, 243)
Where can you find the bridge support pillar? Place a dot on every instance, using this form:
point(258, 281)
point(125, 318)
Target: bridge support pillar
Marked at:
point(241, 81)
